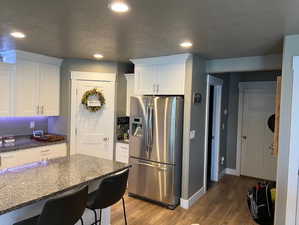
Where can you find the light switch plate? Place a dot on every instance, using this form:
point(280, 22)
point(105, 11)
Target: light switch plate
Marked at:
point(192, 134)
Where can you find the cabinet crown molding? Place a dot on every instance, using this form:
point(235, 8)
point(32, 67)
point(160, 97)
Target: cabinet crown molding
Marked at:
point(12, 56)
point(171, 59)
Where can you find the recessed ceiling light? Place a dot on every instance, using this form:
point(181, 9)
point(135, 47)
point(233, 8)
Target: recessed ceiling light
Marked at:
point(18, 35)
point(186, 44)
point(119, 6)
point(98, 56)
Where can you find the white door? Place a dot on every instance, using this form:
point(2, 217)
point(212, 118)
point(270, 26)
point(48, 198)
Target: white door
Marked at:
point(256, 157)
point(95, 130)
point(145, 79)
point(6, 75)
point(25, 90)
point(171, 79)
point(49, 89)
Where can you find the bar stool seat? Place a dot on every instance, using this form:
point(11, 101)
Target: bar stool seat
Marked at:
point(64, 210)
point(109, 192)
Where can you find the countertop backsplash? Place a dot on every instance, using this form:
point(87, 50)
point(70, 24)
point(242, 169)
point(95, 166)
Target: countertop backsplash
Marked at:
point(21, 125)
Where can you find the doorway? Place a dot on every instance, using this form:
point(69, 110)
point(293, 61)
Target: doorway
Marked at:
point(92, 133)
point(213, 127)
point(256, 108)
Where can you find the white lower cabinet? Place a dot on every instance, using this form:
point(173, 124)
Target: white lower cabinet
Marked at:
point(27, 156)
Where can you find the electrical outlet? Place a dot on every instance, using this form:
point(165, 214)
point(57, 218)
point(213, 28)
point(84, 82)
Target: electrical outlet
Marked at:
point(192, 134)
point(32, 124)
point(222, 160)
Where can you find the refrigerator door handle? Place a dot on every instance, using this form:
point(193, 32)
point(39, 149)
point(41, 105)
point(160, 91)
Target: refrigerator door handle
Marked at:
point(147, 128)
point(151, 165)
point(150, 142)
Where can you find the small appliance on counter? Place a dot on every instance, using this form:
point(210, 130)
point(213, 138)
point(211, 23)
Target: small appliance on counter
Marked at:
point(123, 124)
point(8, 140)
point(39, 135)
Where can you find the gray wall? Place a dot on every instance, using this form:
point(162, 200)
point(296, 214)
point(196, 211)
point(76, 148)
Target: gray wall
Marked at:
point(21, 125)
point(193, 150)
point(231, 102)
point(61, 124)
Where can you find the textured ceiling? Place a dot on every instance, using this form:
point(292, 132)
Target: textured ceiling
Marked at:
point(217, 28)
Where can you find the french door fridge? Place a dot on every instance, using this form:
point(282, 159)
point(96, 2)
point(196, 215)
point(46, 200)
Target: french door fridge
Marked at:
point(156, 130)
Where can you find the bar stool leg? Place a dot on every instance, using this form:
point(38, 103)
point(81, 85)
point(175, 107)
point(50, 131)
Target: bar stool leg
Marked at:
point(124, 207)
point(95, 217)
point(81, 221)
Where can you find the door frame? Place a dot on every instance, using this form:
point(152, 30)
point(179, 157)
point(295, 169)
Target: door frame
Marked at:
point(243, 86)
point(218, 86)
point(77, 76)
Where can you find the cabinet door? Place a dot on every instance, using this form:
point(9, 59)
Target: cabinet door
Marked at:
point(26, 91)
point(6, 74)
point(171, 79)
point(49, 89)
point(145, 79)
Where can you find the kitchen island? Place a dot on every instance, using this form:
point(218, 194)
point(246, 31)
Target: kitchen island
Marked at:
point(23, 190)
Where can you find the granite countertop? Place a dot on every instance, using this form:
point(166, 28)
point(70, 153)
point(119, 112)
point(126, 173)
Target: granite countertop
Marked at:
point(24, 186)
point(25, 141)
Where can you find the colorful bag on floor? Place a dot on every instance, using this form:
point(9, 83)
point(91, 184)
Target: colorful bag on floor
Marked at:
point(260, 204)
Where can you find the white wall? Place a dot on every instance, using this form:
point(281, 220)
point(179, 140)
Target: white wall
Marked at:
point(288, 159)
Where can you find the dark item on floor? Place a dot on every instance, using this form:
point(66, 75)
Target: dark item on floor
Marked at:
point(66, 210)
point(110, 191)
point(260, 203)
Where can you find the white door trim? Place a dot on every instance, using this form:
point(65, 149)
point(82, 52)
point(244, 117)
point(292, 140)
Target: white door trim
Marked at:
point(217, 83)
point(87, 76)
point(242, 87)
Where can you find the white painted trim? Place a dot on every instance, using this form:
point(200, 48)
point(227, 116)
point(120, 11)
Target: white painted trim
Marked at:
point(243, 64)
point(216, 82)
point(233, 172)
point(92, 76)
point(171, 59)
point(129, 75)
point(187, 203)
point(12, 56)
point(243, 86)
point(77, 76)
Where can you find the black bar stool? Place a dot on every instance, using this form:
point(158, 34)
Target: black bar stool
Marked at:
point(110, 191)
point(66, 210)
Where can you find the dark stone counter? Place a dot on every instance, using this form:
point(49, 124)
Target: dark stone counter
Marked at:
point(24, 142)
point(24, 186)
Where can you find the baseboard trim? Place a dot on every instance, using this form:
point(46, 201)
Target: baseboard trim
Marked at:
point(233, 172)
point(187, 203)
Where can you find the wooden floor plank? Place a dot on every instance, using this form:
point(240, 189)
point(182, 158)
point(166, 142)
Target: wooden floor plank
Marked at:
point(224, 204)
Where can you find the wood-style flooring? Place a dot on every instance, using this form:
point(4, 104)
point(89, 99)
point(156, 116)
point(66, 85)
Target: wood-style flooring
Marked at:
point(224, 204)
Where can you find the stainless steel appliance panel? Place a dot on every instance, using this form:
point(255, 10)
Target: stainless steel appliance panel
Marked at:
point(154, 181)
point(166, 120)
point(139, 127)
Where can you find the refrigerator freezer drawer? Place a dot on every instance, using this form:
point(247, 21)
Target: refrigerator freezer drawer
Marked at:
point(154, 181)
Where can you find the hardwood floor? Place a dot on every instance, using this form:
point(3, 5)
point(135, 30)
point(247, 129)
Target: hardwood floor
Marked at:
point(224, 204)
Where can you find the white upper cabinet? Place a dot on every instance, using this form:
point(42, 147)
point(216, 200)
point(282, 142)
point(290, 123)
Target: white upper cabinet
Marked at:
point(6, 76)
point(49, 89)
point(35, 84)
point(161, 75)
point(145, 79)
point(25, 89)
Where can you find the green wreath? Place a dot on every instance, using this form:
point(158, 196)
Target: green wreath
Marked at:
point(98, 94)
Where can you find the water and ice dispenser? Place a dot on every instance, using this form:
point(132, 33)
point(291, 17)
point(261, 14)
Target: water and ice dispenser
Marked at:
point(137, 127)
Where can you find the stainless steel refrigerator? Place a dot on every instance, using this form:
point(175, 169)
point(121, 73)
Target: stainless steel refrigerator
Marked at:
point(156, 131)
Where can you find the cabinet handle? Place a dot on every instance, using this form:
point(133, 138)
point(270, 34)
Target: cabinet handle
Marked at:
point(158, 88)
point(154, 88)
point(37, 109)
point(42, 111)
